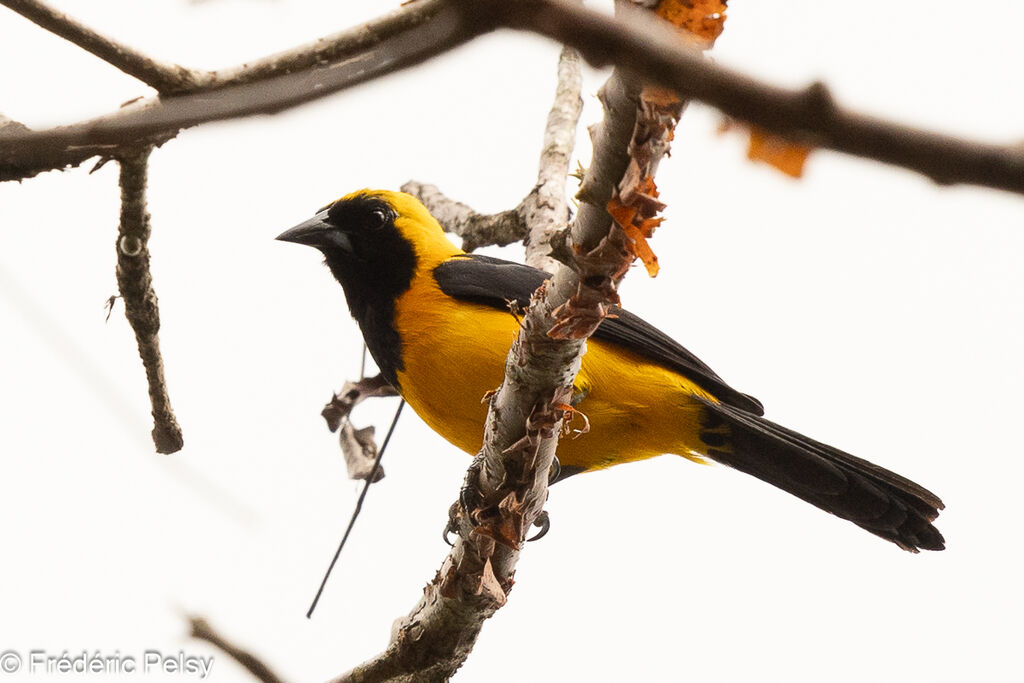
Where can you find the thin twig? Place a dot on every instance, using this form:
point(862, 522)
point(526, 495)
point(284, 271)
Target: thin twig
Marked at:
point(546, 209)
point(476, 229)
point(167, 79)
point(202, 630)
point(140, 304)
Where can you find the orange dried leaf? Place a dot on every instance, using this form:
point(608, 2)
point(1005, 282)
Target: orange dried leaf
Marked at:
point(642, 249)
point(648, 225)
point(636, 227)
point(648, 187)
point(659, 97)
point(622, 214)
point(704, 19)
point(645, 199)
point(784, 155)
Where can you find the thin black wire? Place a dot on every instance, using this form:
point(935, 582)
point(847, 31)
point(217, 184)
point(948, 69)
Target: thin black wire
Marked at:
point(359, 506)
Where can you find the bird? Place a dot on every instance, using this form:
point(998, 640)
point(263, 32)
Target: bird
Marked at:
point(438, 323)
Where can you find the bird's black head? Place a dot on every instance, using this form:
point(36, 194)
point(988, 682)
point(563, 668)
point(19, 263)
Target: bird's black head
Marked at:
point(367, 254)
point(371, 258)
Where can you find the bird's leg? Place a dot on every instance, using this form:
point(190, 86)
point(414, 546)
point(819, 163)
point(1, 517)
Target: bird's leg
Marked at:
point(469, 498)
point(469, 494)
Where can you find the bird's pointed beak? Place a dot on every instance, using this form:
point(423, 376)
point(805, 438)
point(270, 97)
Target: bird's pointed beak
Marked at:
point(316, 232)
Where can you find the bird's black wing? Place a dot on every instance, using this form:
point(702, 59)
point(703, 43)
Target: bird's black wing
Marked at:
point(495, 282)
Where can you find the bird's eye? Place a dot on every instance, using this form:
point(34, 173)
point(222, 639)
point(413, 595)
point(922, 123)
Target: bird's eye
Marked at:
point(377, 219)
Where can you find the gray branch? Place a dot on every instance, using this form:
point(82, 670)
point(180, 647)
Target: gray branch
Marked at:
point(545, 208)
point(476, 229)
point(167, 79)
point(202, 630)
point(140, 303)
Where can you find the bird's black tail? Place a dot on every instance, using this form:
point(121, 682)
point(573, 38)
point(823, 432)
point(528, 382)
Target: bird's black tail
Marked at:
point(870, 496)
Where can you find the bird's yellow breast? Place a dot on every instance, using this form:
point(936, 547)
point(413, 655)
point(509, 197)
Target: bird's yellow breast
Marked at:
point(454, 352)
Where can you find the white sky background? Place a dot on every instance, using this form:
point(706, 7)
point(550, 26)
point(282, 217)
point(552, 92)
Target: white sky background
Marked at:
point(863, 305)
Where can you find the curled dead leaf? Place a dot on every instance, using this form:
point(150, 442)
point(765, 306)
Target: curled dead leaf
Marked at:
point(567, 427)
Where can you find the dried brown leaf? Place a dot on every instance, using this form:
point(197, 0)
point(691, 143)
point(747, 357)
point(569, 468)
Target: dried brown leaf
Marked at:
point(703, 19)
point(788, 157)
point(636, 227)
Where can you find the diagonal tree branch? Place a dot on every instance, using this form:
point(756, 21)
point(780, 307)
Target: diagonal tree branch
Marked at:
point(809, 116)
point(507, 485)
point(167, 79)
point(140, 303)
point(202, 630)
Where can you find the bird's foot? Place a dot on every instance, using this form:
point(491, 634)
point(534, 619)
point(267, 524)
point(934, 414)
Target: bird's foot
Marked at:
point(555, 471)
point(543, 522)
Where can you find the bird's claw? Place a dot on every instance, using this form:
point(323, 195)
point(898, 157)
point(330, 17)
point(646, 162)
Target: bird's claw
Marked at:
point(543, 522)
point(555, 471)
point(452, 527)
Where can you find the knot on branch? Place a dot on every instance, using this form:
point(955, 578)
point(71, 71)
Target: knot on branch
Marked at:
point(819, 104)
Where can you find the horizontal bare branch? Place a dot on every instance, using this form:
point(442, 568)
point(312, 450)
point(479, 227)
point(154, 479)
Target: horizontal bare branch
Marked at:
point(426, 28)
point(476, 229)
